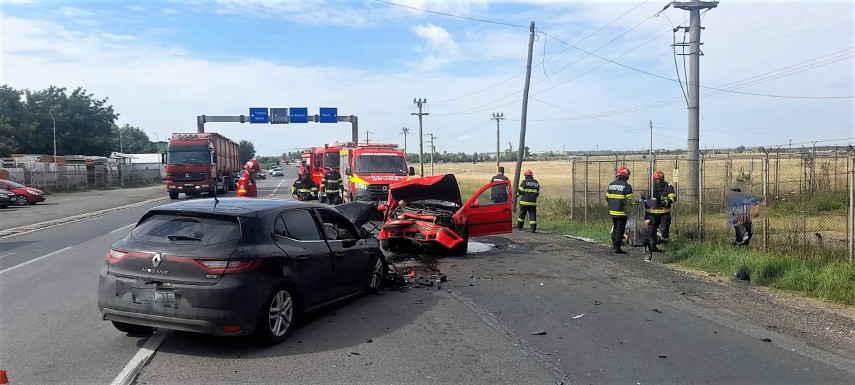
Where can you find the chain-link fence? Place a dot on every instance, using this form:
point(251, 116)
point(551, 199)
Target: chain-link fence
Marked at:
point(806, 197)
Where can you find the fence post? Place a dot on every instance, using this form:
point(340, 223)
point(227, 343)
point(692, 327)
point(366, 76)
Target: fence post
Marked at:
point(585, 201)
point(765, 181)
point(851, 167)
point(572, 187)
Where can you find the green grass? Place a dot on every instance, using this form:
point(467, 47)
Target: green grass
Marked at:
point(801, 274)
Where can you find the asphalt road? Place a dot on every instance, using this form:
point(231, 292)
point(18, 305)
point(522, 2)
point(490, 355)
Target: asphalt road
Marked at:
point(537, 308)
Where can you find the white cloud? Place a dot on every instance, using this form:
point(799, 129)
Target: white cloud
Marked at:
point(169, 11)
point(73, 12)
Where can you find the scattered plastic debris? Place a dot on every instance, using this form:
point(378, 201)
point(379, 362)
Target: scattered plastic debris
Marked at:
point(478, 247)
point(577, 316)
point(540, 333)
point(418, 302)
point(597, 303)
point(767, 340)
point(657, 310)
point(663, 356)
point(369, 340)
point(541, 284)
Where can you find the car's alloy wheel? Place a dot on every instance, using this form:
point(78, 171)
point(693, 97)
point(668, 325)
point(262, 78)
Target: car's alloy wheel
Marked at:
point(277, 318)
point(22, 200)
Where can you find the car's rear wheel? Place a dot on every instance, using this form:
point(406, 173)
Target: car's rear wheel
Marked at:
point(21, 200)
point(277, 317)
point(132, 329)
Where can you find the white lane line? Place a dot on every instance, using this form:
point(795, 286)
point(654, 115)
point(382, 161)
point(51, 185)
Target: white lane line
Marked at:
point(132, 369)
point(122, 228)
point(33, 260)
point(6, 255)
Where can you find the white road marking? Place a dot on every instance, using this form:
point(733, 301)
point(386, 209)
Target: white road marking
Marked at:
point(8, 269)
point(122, 228)
point(6, 255)
point(132, 369)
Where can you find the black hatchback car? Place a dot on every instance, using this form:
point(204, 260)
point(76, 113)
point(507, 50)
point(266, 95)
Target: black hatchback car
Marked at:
point(236, 266)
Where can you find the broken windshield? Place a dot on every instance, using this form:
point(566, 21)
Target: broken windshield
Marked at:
point(381, 164)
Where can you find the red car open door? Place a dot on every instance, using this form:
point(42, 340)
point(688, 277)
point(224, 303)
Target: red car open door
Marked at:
point(483, 215)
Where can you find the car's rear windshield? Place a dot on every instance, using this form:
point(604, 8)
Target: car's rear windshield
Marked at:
point(188, 228)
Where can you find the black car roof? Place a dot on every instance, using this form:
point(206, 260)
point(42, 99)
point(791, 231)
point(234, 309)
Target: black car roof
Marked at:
point(233, 206)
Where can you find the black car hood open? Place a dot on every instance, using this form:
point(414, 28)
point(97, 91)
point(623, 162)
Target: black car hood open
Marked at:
point(357, 211)
point(440, 187)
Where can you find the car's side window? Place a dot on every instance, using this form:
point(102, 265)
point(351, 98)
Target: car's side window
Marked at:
point(486, 197)
point(336, 227)
point(297, 224)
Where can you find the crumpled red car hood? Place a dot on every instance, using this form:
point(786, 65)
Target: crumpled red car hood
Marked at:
point(440, 187)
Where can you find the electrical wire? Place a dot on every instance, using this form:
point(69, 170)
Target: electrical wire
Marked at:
point(452, 15)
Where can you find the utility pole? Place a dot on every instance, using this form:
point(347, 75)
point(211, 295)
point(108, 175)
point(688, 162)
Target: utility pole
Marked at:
point(497, 117)
point(523, 117)
point(652, 164)
point(366, 136)
point(432, 150)
point(420, 103)
point(694, 80)
point(405, 131)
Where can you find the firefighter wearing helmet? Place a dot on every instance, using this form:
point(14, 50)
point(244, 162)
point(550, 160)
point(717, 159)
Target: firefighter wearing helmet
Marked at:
point(619, 197)
point(246, 183)
point(304, 188)
point(666, 196)
point(527, 192)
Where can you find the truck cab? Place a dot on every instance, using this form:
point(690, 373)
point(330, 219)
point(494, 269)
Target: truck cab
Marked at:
point(369, 169)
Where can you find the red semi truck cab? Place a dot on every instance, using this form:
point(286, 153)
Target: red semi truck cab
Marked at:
point(199, 163)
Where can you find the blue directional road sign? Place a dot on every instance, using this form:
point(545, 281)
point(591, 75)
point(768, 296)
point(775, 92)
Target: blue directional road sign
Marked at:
point(329, 115)
point(299, 115)
point(259, 115)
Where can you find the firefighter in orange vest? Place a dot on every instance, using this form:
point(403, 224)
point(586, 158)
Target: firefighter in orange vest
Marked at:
point(246, 183)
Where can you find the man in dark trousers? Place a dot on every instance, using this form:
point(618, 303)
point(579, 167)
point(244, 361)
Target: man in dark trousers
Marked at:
point(331, 187)
point(668, 196)
point(528, 191)
point(499, 194)
point(619, 196)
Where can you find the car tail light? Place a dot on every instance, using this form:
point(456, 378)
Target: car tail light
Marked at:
point(114, 256)
point(219, 266)
point(231, 329)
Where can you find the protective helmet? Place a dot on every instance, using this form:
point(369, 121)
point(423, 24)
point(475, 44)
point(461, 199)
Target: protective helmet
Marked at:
point(658, 174)
point(622, 171)
point(302, 171)
point(252, 166)
point(528, 173)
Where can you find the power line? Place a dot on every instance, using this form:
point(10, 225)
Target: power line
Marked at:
point(451, 15)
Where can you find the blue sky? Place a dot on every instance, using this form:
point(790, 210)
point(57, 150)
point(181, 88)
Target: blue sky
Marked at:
point(162, 63)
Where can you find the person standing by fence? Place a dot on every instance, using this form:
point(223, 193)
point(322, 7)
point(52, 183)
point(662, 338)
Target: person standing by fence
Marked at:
point(744, 207)
point(528, 192)
point(667, 196)
point(619, 196)
point(499, 194)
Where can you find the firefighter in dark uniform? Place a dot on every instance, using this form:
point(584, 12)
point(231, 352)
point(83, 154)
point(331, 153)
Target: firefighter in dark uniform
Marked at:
point(499, 194)
point(528, 191)
point(619, 197)
point(655, 207)
point(668, 196)
point(304, 188)
point(331, 186)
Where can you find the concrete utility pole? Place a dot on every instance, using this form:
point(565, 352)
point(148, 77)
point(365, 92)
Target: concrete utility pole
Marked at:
point(420, 102)
point(523, 117)
point(497, 117)
point(366, 137)
point(432, 151)
point(692, 190)
point(405, 131)
point(652, 163)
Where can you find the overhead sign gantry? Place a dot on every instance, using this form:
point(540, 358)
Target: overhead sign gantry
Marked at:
point(264, 115)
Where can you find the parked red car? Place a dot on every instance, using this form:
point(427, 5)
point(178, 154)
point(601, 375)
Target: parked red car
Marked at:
point(429, 211)
point(23, 194)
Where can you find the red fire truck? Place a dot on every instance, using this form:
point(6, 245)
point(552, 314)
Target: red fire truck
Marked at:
point(200, 163)
point(367, 169)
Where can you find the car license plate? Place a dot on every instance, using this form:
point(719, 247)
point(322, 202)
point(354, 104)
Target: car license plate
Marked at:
point(188, 185)
point(163, 297)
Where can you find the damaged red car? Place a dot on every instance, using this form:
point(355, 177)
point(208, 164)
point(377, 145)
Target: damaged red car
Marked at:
point(429, 211)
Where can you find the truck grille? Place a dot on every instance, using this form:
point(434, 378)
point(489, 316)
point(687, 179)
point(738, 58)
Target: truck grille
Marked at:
point(187, 176)
point(379, 192)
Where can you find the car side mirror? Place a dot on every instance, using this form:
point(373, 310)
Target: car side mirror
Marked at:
point(213, 157)
point(163, 158)
point(412, 171)
point(348, 171)
point(476, 204)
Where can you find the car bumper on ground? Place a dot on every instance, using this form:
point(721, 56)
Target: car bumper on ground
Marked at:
point(421, 232)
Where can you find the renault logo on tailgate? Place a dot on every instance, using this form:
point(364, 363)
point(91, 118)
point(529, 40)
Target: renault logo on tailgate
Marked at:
point(155, 260)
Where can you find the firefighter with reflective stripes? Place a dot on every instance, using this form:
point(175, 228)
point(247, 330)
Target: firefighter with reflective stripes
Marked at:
point(668, 196)
point(304, 188)
point(619, 198)
point(331, 187)
point(246, 184)
point(527, 192)
point(655, 207)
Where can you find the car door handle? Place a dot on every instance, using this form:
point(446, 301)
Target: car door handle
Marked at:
point(506, 210)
